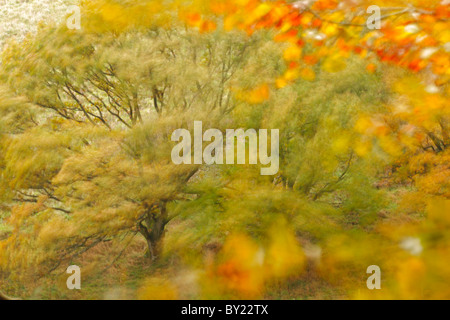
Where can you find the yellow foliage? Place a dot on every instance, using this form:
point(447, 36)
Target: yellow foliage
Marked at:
point(284, 255)
point(293, 53)
point(246, 266)
point(157, 289)
point(255, 96)
point(334, 63)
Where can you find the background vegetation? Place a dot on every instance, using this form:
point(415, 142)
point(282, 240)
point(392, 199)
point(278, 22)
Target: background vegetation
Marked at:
point(87, 179)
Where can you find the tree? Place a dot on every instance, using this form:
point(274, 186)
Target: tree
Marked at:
point(96, 156)
point(85, 152)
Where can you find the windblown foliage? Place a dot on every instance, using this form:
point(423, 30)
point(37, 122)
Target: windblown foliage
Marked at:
point(86, 118)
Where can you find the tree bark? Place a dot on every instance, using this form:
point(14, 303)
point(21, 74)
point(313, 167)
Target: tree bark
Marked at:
point(152, 227)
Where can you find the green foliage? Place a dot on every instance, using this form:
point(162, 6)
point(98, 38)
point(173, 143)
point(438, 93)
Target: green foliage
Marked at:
point(85, 154)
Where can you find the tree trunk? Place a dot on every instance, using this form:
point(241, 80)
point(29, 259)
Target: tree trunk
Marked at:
point(152, 227)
